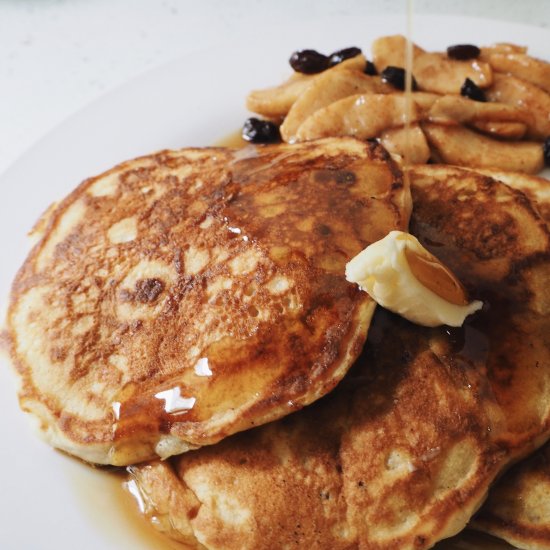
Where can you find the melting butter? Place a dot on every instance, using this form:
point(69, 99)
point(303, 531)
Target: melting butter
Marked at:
point(401, 275)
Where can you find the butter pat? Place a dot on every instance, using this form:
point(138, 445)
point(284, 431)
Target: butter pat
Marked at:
point(401, 275)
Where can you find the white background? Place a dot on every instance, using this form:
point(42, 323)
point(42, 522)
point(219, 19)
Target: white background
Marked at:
point(56, 56)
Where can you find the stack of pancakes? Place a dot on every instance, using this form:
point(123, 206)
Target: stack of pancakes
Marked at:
point(196, 299)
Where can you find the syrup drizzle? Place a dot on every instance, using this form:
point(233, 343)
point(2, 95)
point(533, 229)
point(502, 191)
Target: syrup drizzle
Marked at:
point(408, 87)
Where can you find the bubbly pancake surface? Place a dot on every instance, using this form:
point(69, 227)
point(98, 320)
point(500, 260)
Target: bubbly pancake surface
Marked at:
point(191, 294)
point(403, 451)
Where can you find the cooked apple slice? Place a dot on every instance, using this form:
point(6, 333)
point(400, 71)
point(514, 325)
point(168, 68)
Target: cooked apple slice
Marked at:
point(275, 102)
point(502, 130)
point(523, 66)
point(515, 91)
point(453, 108)
point(357, 62)
point(362, 116)
point(463, 147)
point(390, 51)
point(424, 102)
point(408, 144)
point(501, 47)
point(435, 72)
point(324, 89)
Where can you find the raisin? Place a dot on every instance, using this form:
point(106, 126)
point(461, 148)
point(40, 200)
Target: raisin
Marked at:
point(256, 130)
point(546, 151)
point(370, 68)
point(308, 61)
point(396, 77)
point(341, 55)
point(463, 52)
point(472, 90)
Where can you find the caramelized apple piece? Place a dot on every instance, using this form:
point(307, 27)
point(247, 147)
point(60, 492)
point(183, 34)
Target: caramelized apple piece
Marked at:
point(355, 63)
point(523, 66)
point(324, 89)
point(362, 116)
point(435, 72)
point(275, 102)
point(514, 91)
point(455, 108)
point(424, 102)
point(390, 51)
point(501, 47)
point(408, 145)
point(503, 130)
point(463, 147)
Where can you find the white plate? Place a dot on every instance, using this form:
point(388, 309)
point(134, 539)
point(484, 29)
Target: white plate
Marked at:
point(48, 500)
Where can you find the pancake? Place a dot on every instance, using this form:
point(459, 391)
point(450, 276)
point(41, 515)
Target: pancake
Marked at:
point(535, 188)
point(518, 507)
point(403, 451)
point(187, 295)
point(497, 242)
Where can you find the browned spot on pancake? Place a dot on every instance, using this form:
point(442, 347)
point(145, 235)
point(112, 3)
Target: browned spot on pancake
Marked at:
point(338, 176)
point(58, 354)
point(148, 290)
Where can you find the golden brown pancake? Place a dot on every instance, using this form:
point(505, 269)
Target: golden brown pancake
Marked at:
point(518, 507)
point(403, 451)
point(188, 295)
point(496, 241)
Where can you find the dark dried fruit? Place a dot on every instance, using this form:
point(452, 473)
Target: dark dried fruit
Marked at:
point(256, 130)
point(546, 151)
point(472, 90)
point(463, 52)
point(370, 68)
point(341, 55)
point(396, 77)
point(308, 61)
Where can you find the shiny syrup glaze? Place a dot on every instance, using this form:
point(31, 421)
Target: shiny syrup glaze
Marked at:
point(104, 496)
point(234, 140)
